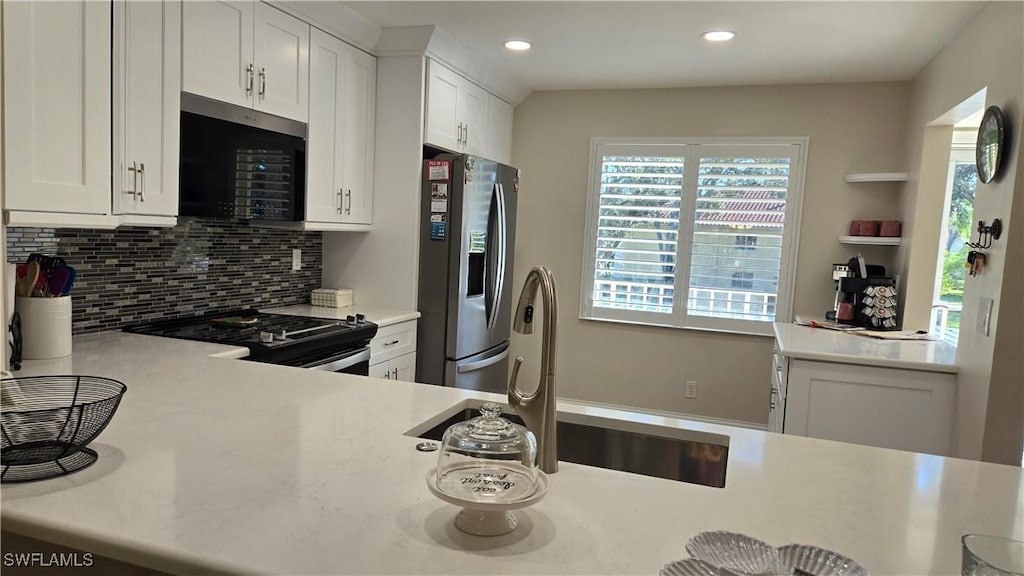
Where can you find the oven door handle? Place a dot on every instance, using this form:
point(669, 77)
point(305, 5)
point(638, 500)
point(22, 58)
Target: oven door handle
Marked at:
point(336, 363)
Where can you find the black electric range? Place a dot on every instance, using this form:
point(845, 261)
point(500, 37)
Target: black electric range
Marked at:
point(275, 338)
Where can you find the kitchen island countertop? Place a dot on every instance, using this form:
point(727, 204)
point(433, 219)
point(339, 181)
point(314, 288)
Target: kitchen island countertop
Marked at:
point(809, 343)
point(224, 465)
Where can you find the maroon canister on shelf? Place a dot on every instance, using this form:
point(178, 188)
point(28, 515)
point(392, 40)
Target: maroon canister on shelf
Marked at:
point(891, 228)
point(870, 227)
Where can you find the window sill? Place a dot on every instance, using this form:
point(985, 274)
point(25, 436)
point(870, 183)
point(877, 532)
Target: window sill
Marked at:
point(768, 333)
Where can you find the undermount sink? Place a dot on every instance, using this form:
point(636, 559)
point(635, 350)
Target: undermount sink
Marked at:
point(616, 445)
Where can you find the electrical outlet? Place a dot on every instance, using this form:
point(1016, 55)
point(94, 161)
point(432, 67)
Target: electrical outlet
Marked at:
point(691, 389)
point(296, 259)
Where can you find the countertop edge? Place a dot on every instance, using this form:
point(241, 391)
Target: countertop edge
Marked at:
point(872, 362)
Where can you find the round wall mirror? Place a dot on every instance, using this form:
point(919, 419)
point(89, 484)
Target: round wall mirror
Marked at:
point(989, 150)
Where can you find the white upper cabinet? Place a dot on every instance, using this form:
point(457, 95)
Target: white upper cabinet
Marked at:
point(339, 183)
point(282, 64)
point(147, 72)
point(443, 125)
point(57, 106)
point(464, 117)
point(357, 139)
point(499, 130)
point(246, 53)
point(473, 112)
point(217, 50)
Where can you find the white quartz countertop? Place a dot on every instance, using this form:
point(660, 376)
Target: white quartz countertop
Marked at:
point(380, 316)
point(810, 343)
point(225, 465)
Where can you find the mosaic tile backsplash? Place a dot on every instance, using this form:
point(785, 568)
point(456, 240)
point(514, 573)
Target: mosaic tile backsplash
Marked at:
point(132, 275)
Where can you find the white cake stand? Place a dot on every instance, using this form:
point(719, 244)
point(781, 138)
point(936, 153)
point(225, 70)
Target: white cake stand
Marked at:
point(488, 518)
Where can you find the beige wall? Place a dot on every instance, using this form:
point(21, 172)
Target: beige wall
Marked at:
point(852, 128)
point(988, 52)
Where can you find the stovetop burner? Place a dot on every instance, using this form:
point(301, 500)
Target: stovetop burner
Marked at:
point(263, 333)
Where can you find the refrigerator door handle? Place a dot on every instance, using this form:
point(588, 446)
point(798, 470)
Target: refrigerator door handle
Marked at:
point(481, 364)
point(499, 272)
point(490, 288)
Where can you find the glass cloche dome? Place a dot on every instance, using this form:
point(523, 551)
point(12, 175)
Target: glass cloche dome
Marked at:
point(488, 459)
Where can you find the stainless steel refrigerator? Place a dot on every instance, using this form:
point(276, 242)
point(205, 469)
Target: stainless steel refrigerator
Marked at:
point(466, 250)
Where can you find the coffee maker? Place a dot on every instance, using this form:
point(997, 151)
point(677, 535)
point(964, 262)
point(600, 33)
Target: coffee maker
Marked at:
point(865, 296)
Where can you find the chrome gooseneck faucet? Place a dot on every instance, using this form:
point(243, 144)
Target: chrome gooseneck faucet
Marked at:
point(538, 408)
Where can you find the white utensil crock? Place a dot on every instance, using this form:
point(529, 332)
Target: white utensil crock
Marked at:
point(45, 327)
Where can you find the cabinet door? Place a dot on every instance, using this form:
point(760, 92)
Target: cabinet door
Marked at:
point(884, 407)
point(324, 192)
point(404, 368)
point(473, 115)
point(443, 128)
point(357, 137)
point(381, 370)
point(217, 57)
point(57, 106)
point(147, 56)
point(282, 64)
point(499, 130)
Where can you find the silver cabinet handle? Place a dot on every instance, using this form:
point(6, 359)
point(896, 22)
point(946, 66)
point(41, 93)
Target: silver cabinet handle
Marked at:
point(263, 83)
point(135, 180)
point(465, 138)
point(387, 375)
point(392, 343)
point(458, 139)
point(248, 82)
point(340, 201)
point(396, 373)
point(348, 201)
point(142, 190)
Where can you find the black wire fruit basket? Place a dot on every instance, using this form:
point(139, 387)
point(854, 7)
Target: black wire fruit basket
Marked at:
point(47, 422)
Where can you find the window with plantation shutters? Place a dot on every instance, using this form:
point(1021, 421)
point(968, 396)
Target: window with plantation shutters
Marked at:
point(692, 234)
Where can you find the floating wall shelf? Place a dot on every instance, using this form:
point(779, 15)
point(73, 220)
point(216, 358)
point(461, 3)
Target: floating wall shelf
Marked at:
point(871, 240)
point(877, 177)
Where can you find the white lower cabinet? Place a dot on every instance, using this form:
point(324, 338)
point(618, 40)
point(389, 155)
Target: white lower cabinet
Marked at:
point(885, 407)
point(393, 352)
point(400, 368)
point(147, 106)
point(57, 101)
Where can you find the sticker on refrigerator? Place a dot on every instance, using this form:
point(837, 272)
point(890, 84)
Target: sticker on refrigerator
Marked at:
point(438, 191)
point(438, 205)
point(438, 227)
point(438, 169)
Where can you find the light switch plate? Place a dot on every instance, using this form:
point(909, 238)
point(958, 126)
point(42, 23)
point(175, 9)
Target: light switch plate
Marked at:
point(984, 315)
point(296, 259)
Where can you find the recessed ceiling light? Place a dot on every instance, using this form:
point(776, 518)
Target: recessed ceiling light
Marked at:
point(718, 35)
point(518, 45)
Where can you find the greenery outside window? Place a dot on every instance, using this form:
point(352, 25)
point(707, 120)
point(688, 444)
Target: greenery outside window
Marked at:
point(692, 233)
point(957, 228)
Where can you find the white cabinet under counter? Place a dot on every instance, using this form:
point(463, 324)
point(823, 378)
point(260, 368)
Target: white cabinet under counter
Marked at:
point(885, 393)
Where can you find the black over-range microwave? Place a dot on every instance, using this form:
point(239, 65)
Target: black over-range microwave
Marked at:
point(239, 163)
